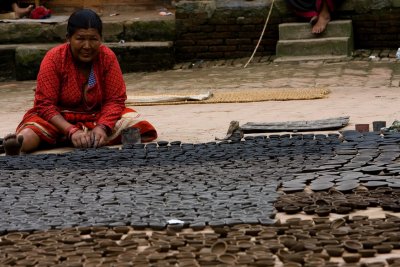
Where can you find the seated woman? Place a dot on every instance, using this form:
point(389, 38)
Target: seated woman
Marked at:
point(80, 95)
point(318, 12)
point(11, 5)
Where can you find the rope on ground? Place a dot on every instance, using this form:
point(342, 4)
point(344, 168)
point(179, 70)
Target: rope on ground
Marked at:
point(262, 34)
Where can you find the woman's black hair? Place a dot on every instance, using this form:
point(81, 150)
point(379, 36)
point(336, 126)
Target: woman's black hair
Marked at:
point(84, 19)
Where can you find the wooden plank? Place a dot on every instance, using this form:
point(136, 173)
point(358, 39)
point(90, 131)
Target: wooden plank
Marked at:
point(296, 126)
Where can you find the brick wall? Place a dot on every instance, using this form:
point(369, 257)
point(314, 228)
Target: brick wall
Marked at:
point(218, 29)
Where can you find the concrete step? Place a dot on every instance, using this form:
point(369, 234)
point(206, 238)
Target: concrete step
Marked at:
point(22, 61)
point(333, 46)
point(129, 30)
point(299, 31)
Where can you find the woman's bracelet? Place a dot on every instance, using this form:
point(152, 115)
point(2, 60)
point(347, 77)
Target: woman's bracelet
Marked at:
point(105, 128)
point(71, 130)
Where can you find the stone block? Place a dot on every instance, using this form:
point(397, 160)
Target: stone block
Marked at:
point(196, 7)
point(163, 30)
point(334, 46)
point(28, 59)
point(144, 56)
point(365, 6)
point(113, 31)
point(7, 63)
point(296, 31)
point(395, 3)
point(60, 31)
point(25, 33)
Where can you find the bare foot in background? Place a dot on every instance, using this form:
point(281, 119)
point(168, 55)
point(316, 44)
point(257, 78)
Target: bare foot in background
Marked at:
point(323, 20)
point(22, 12)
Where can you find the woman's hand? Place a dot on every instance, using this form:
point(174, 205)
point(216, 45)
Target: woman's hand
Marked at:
point(81, 139)
point(98, 137)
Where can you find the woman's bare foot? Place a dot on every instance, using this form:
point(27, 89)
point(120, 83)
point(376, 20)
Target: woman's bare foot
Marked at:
point(323, 19)
point(321, 24)
point(12, 144)
point(22, 12)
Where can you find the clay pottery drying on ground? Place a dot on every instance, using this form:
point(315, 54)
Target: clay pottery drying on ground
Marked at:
point(367, 253)
point(372, 241)
point(291, 264)
point(244, 244)
point(334, 250)
point(352, 245)
point(287, 240)
point(351, 257)
point(393, 260)
point(291, 209)
point(313, 261)
point(383, 248)
point(340, 233)
point(339, 222)
point(343, 210)
point(267, 234)
point(321, 220)
point(226, 258)
point(310, 209)
point(219, 248)
point(323, 211)
point(286, 256)
point(375, 264)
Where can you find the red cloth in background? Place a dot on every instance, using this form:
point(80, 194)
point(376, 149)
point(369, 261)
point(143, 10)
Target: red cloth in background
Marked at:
point(311, 8)
point(40, 12)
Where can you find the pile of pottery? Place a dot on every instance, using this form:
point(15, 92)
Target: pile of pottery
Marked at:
point(333, 201)
point(295, 242)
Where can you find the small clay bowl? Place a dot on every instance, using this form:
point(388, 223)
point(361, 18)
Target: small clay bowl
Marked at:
point(287, 240)
point(367, 253)
point(291, 209)
point(383, 248)
point(375, 264)
point(334, 250)
point(323, 211)
point(351, 257)
point(321, 220)
point(219, 248)
point(292, 264)
point(227, 258)
point(393, 260)
point(370, 242)
point(343, 210)
point(352, 245)
point(310, 209)
point(338, 223)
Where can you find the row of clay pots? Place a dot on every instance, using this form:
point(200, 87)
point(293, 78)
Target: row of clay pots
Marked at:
point(307, 242)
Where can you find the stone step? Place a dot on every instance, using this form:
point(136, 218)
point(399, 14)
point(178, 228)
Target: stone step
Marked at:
point(299, 31)
point(333, 46)
point(22, 61)
point(312, 58)
point(113, 31)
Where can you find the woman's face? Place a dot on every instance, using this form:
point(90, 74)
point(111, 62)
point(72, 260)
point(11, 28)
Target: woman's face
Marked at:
point(85, 44)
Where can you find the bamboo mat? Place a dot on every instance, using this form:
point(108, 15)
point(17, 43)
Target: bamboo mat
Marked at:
point(253, 95)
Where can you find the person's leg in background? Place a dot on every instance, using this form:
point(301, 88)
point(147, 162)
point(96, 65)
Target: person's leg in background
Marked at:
point(20, 12)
